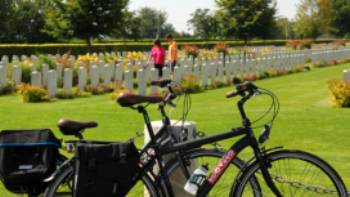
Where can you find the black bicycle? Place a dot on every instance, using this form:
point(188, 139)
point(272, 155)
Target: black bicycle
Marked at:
point(152, 176)
point(271, 172)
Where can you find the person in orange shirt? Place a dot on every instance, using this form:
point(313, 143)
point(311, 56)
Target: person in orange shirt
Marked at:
point(172, 50)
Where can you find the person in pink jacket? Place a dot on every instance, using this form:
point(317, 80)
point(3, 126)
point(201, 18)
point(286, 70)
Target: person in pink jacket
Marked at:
point(158, 56)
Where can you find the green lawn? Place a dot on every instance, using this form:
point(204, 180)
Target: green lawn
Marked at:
point(306, 120)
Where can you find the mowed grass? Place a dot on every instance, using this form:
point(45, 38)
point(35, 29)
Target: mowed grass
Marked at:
point(306, 120)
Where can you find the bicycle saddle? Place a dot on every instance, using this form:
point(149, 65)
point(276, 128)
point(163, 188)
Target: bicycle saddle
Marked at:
point(71, 127)
point(128, 99)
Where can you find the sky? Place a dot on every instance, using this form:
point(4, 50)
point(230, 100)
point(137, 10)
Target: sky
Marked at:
point(179, 11)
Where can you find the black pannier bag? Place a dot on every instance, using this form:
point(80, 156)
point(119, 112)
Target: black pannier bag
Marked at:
point(105, 169)
point(27, 157)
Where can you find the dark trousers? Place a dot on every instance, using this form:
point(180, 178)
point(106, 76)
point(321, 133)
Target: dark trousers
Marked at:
point(160, 69)
point(172, 65)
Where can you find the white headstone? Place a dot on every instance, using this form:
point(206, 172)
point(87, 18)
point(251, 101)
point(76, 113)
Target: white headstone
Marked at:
point(17, 75)
point(67, 79)
point(59, 70)
point(141, 82)
point(36, 78)
point(44, 71)
point(82, 78)
point(52, 83)
point(204, 75)
point(177, 74)
point(166, 73)
point(347, 75)
point(118, 75)
point(3, 76)
point(213, 72)
point(196, 71)
point(107, 74)
point(94, 74)
point(129, 83)
point(154, 77)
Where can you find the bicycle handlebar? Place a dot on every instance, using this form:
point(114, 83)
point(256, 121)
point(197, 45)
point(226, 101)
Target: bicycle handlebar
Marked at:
point(241, 88)
point(166, 83)
point(161, 83)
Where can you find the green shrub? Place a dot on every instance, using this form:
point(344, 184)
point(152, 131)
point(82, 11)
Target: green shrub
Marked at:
point(45, 59)
point(216, 84)
point(340, 93)
point(75, 93)
point(190, 84)
point(81, 48)
point(99, 89)
point(32, 94)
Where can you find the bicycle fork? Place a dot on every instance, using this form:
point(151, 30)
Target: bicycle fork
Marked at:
point(264, 167)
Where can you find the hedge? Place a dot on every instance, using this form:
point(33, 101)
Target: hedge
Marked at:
point(80, 48)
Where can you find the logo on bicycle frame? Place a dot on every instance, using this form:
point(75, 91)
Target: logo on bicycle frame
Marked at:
point(221, 167)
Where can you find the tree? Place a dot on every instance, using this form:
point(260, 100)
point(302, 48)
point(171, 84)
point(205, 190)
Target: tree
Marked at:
point(313, 18)
point(284, 28)
point(153, 23)
point(132, 27)
point(29, 21)
point(6, 10)
point(246, 19)
point(87, 19)
point(203, 24)
point(341, 19)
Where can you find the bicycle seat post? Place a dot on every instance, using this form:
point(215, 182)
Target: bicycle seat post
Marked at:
point(141, 109)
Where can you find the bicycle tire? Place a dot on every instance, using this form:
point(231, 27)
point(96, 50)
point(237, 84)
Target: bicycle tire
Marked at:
point(66, 177)
point(292, 182)
point(214, 156)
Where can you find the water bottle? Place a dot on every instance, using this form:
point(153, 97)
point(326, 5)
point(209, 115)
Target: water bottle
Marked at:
point(196, 180)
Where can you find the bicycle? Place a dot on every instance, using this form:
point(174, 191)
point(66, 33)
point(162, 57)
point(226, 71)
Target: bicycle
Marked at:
point(263, 168)
point(266, 165)
point(156, 184)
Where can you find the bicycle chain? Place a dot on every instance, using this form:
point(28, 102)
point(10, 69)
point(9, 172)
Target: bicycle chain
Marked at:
point(299, 185)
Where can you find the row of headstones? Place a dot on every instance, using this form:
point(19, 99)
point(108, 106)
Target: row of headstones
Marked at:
point(329, 55)
point(107, 71)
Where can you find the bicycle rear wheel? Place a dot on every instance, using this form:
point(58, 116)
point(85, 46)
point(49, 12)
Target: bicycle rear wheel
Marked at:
point(295, 173)
point(62, 186)
point(196, 158)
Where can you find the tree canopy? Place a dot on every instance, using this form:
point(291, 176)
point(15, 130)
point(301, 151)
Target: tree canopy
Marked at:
point(204, 24)
point(246, 19)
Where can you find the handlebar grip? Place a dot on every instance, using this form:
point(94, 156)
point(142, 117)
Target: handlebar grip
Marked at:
point(161, 83)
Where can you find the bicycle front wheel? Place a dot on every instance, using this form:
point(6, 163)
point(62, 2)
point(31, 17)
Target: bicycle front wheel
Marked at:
point(295, 173)
point(211, 158)
point(62, 186)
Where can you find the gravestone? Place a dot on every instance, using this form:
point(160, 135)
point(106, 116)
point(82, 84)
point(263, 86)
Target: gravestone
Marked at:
point(346, 75)
point(118, 75)
point(107, 74)
point(17, 75)
point(67, 79)
point(166, 73)
point(154, 77)
point(141, 82)
point(59, 70)
point(82, 78)
point(44, 70)
point(129, 84)
point(94, 75)
point(3, 76)
point(36, 79)
point(204, 75)
point(177, 74)
point(52, 83)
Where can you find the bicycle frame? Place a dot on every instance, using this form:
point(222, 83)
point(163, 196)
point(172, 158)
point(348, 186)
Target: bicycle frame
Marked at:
point(248, 140)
